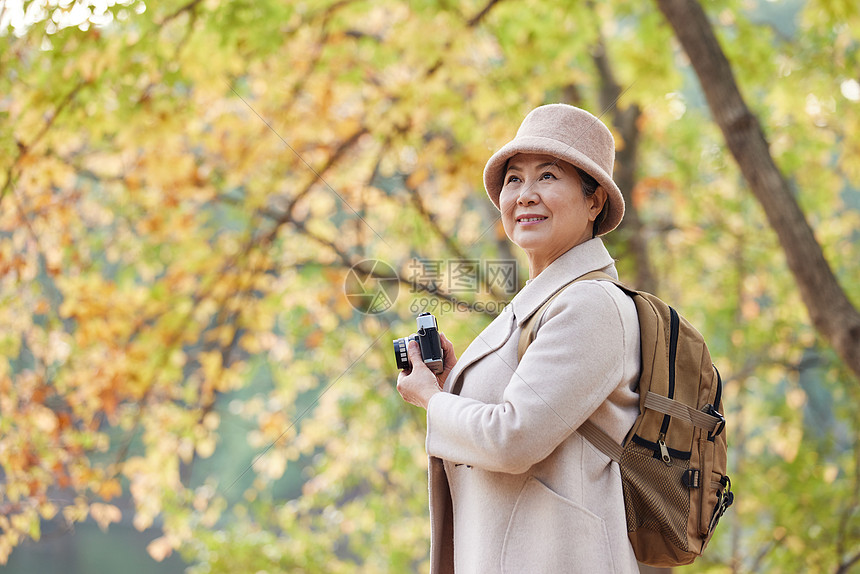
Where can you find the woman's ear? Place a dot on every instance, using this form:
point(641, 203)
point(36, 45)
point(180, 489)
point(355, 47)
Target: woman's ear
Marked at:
point(595, 203)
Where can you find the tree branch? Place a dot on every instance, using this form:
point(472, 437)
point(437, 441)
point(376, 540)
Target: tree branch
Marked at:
point(23, 148)
point(189, 7)
point(845, 520)
point(477, 18)
point(830, 310)
point(350, 263)
point(318, 175)
point(452, 245)
point(846, 566)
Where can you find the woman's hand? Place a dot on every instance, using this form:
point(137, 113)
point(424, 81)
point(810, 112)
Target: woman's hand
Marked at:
point(418, 384)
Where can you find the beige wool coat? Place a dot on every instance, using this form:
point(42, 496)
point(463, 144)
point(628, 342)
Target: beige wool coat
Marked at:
point(513, 487)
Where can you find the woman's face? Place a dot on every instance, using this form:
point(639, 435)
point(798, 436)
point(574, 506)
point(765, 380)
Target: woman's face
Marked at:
point(543, 208)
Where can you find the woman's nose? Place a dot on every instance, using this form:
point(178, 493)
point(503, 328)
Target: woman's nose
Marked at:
point(527, 196)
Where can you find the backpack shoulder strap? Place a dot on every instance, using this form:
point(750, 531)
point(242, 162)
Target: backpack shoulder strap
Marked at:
point(529, 330)
point(591, 432)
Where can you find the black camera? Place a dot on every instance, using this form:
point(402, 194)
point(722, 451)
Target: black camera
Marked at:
point(428, 341)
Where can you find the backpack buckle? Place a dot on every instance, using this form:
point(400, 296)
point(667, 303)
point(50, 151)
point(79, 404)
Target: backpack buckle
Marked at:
point(725, 498)
point(721, 425)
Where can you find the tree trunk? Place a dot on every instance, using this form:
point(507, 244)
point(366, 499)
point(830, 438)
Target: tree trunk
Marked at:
point(625, 122)
point(831, 312)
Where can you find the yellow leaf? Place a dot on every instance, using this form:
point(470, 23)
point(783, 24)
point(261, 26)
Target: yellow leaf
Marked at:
point(206, 446)
point(110, 489)
point(211, 420)
point(105, 514)
point(211, 363)
point(48, 510)
point(418, 177)
point(142, 521)
point(159, 549)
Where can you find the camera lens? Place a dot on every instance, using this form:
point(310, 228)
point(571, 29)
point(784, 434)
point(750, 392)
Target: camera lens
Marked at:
point(400, 355)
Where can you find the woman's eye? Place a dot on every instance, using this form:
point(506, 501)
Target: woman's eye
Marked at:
point(513, 178)
point(547, 175)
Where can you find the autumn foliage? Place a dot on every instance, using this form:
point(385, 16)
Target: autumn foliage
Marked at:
point(185, 186)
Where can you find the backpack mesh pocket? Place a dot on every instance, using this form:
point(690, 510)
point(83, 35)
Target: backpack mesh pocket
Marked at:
point(662, 505)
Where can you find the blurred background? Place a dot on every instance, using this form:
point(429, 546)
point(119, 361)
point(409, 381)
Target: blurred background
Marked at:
point(215, 217)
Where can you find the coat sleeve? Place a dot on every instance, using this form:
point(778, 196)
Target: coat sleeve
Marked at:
point(574, 363)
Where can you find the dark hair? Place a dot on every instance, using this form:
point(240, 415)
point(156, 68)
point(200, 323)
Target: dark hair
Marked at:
point(589, 187)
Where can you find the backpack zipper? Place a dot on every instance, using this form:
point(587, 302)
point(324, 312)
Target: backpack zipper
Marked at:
point(674, 330)
point(664, 450)
point(719, 398)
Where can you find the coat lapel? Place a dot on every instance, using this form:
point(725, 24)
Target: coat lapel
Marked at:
point(489, 340)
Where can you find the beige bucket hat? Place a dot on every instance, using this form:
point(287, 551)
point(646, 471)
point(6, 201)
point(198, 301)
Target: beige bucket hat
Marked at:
point(568, 133)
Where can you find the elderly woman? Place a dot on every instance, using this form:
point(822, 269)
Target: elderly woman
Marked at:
point(513, 487)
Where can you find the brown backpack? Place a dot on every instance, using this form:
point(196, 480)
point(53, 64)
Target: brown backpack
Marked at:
point(673, 460)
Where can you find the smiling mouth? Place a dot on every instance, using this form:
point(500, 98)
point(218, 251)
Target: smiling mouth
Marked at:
point(529, 219)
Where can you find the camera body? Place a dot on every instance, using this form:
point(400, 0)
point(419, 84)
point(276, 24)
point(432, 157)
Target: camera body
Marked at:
point(428, 342)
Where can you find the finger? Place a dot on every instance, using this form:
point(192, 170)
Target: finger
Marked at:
point(450, 359)
point(401, 383)
point(447, 347)
point(413, 350)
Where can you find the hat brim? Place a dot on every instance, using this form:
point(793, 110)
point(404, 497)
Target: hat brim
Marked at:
point(494, 172)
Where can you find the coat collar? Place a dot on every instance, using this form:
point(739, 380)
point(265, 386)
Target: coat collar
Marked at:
point(577, 261)
point(582, 259)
